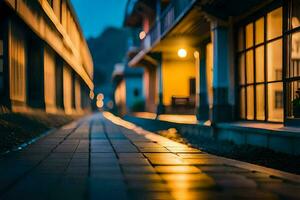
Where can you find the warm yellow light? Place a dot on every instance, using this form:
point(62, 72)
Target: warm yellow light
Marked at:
point(142, 35)
point(92, 95)
point(196, 54)
point(100, 97)
point(100, 104)
point(182, 53)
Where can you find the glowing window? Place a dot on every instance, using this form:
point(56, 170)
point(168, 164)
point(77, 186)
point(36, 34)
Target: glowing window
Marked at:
point(274, 57)
point(259, 31)
point(260, 102)
point(250, 102)
point(249, 35)
point(260, 63)
point(274, 23)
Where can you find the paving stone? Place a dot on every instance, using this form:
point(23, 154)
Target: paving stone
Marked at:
point(191, 185)
point(197, 195)
point(127, 169)
point(134, 161)
point(186, 177)
point(223, 169)
point(147, 186)
point(153, 150)
point(183, 149)
point(250, 194)
point(68, 148)
point(286, 190)
point(102, 155)
point(227, 176)
point(203, 161)
point(147, 144)
point(177, 169)
point(150, 195)
point(113, 162)
point(195, 155)
point(143, 177)
point(130, 155)
point(164, 159)
point(235, 183)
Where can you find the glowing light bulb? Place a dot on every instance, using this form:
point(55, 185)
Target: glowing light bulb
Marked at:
point(100, 96)
point(182, 53)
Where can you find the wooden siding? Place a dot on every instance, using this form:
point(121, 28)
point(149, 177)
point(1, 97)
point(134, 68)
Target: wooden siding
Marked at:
point(17, 66)
point(61, 32)
point(49, 74)
point(67, 82)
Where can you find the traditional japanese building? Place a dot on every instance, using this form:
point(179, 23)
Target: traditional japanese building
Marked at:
point(45, 63)
point(235, 64)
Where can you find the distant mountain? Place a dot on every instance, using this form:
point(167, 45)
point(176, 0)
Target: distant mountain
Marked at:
point(107, 49)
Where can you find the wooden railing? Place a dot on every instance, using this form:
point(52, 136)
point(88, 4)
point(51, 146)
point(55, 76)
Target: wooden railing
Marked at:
point(167, 20)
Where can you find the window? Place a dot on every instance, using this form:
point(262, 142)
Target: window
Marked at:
point(274, 24)
point(260, 102)
point(260, 67)
point(259, 64)
point(249, 35)
point(249, 66)
point(259, 31)
point(275, 102)
point(293, 70)
point(250, 102)
point(274, 63)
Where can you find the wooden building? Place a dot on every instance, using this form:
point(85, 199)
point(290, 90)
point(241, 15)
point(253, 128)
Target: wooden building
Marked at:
point(45, 62)
point(244, 59)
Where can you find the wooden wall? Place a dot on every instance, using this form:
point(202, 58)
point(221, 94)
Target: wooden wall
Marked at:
point(50, 85)
point(17, 67)
point(78, 95)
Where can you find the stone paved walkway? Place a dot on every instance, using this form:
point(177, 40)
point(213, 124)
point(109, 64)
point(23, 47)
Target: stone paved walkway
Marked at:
point(107, 158)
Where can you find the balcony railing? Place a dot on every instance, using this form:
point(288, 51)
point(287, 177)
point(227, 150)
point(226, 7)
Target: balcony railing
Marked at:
point(167, 20)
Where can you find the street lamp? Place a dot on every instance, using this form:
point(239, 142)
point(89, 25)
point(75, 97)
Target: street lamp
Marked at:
point(182, 53)
point(100, 98)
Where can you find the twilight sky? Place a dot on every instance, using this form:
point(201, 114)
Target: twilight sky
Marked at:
point(96, 15)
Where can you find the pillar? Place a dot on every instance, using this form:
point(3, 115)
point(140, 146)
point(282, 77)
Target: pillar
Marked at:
point(49, 80)
point(222, 110)
point(203, 107)
point(67, 89)
point(160, 107)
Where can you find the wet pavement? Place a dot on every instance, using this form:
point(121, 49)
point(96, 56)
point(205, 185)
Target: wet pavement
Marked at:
point(104, 157)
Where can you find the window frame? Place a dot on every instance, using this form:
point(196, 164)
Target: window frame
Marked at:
point(288, 32)
point(244, 85)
